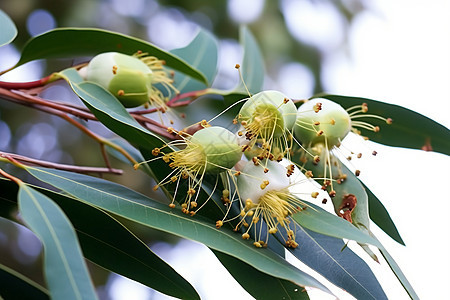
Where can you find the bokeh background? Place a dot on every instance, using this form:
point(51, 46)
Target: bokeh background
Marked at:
point(393, 51)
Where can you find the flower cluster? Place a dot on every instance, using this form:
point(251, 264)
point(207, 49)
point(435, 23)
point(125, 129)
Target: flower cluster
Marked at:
point(254, 159)
point(257, 160)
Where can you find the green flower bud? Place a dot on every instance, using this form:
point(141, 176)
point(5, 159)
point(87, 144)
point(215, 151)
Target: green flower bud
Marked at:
point(322, 121)
point(220, 147)
point(131, 79)
point(268, 118)
point(211, 150)
point(125, 76)
point(267, 115)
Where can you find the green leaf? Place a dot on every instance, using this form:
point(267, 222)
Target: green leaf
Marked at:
point(136, 207)
point(258, 284)
point(338, 264)
point(17, 286)
point(351, 185)
point(110, 111)
point(381, 217)
point(359, 214)
point(8, 30)
point(409, 129)
point(398, 272)
point(106, 242)
point(65, 270)
point(319, 220)
point(202, 54)
point(109, 244)
point(70, 42)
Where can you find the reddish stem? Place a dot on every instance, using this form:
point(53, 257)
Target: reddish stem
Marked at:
point(105, 156)
point(15, 158)
point(182, 103)
point(173, 102)
point(55, 109)
point(145, 111)
point(193, 94)
point(21, 97)
point(26, 85)
point(161, 132)
point(10, 177)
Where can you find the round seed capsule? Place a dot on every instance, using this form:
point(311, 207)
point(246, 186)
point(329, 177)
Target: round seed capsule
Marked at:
point(125, 76)
point(269, 113)
point(321, 120)
point(220, 146)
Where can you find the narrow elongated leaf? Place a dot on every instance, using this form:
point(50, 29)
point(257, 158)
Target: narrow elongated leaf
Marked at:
point(110, 111)
point(8, 30)
point(352, 186)
point(17, 286)
point(398, 272)
point(319, 220)
point(339, 265)
point(381, 217)
point(258, 284)
point(343, 230)
point(134, 206)
point(70, 42)
point(202, 54)
point(65, 270)
point(409, 129)
point(110, 245)
point(352, 199)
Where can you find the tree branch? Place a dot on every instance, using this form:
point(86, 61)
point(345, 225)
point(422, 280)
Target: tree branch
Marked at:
point(79, 169)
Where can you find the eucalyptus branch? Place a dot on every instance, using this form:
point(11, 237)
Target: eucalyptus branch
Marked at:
point(145, 111)
point(35, 101)
point(160, 132)
point(37, 162)
point(143, 120)
point(61, 110)
point(192, 95)
point(30, 84)
point(54, 109)
point(101, 140)
point(154, 126)
point(174, 102)
point(10, 177)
